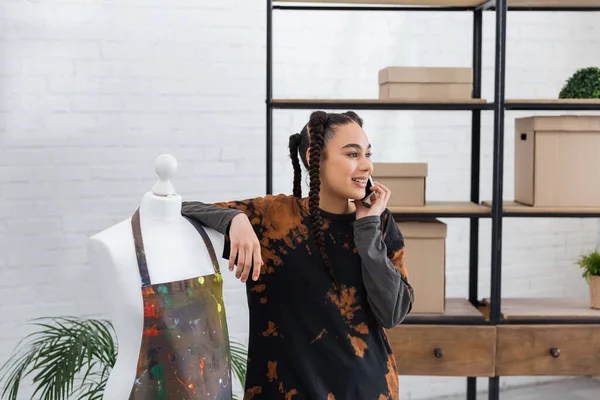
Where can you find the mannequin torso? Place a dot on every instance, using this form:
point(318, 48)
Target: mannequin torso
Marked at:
point(174, 251)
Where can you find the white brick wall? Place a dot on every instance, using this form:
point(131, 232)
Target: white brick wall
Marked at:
point(92, 92)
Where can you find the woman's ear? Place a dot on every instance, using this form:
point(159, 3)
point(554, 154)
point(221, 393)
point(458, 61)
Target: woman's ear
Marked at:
point(308, 156)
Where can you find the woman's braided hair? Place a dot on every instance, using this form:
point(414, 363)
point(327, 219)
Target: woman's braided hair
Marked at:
point(314, 136)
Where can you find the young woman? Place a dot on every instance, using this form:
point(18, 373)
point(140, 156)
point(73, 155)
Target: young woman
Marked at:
point(328, 274)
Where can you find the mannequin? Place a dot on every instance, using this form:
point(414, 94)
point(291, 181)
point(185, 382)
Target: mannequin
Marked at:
point(174, 251)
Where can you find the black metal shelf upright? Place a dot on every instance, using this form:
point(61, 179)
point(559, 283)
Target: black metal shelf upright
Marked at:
point(498, 107)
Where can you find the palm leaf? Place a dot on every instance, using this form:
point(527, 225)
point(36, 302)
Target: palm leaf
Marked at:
point(238, 360)
point(60, 353)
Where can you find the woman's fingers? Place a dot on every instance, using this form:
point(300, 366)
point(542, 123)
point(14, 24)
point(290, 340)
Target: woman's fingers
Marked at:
point(383, 196)
point(247, 264)
point(245, 249)
point(387, 192)
point(241, 261)
point(257, 262)
point(233, 251)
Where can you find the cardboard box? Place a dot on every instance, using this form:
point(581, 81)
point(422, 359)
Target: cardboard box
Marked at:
point(405, 180)
point(556, 161)
point(426, 83)
point(425, 243)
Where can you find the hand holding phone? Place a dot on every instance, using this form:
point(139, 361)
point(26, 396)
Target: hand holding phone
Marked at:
point(368, 193)
point(375, 200)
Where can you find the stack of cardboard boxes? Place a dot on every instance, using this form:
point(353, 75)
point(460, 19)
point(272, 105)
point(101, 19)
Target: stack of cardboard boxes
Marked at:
point(425, 240)
point(556, 165)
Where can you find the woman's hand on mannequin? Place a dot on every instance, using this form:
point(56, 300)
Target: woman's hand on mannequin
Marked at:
point(379, 200)
point(245, 248)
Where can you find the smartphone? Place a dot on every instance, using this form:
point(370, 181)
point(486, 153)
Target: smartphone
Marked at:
point(368, 192)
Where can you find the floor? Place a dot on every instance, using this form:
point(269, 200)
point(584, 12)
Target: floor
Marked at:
point(572, 389)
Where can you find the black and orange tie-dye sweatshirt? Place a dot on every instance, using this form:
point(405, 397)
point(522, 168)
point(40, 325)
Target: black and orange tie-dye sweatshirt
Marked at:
point(307, 340)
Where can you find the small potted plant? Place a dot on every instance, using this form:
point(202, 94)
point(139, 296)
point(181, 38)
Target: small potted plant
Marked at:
point(583, 84)
point(590, 264)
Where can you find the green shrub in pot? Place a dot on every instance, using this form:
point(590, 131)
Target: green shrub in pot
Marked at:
point(583, 84)
point(590, 265)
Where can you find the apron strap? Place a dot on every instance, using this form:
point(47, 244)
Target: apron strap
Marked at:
point(140, 253)
point(207, 242)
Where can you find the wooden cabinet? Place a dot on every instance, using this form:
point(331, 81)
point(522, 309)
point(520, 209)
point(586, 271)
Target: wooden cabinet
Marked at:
point(548, 350)
point(503, 350)
point(444, 350)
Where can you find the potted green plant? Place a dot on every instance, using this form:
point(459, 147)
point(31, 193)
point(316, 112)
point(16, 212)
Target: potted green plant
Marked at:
point(583, 84)
point(71, 358)
point(590, 264)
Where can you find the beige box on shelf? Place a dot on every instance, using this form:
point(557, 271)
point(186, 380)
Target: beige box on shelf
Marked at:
point(405, 180)
point(426, 83)
point(425, 244)
point(556, 161)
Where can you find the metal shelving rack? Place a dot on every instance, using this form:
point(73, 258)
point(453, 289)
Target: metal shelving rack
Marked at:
point(497, 209)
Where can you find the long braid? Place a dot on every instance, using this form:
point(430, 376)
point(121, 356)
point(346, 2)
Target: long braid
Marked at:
point(316, 128)
point(314, 137)
point(293, 145)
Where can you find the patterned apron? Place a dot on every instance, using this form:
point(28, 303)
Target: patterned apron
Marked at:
point(184, 352)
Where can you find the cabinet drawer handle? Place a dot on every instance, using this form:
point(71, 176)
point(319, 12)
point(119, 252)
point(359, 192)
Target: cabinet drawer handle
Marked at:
point(555, 352)
point(438, 353)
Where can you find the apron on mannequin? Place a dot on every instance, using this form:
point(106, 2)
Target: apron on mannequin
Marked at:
point(184, 353)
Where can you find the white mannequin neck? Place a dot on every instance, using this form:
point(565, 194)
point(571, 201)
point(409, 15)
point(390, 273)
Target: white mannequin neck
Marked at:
point(161, 208)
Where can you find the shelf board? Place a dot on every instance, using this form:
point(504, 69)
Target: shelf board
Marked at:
point(553, 104)
point(569, 309)
point(439, 3)
point(437, 104)
point(555, 101)
point(554, 3)
point(440, 209)
point(514, 209)
point(512, 4)
point(383, 104)
point(457, 310)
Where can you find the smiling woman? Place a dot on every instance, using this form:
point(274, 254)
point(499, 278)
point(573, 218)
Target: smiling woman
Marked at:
point(328, 274)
